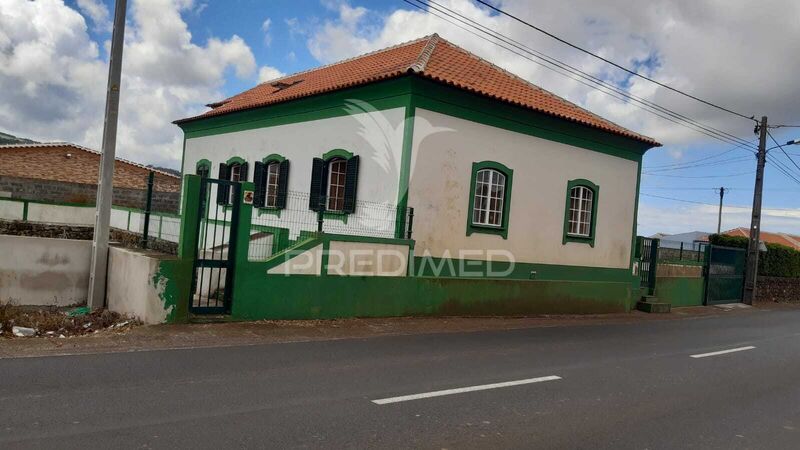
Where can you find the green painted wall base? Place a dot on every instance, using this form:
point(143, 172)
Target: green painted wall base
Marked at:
point(261, 296)
point(680, 291)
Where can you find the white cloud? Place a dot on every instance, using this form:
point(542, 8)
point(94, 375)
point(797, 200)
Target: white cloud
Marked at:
point(680, 217)
point(166, 76)
point(265, 28)
point(98, 12)
point(708, 48)
point(268, 73)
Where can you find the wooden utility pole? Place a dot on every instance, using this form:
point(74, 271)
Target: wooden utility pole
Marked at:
point(751, 273)
point(99, 265)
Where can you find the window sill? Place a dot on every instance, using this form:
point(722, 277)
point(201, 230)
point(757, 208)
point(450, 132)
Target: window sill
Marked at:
point(579, 239)
point(487, 229)
point(269, 210)
point(336, 215)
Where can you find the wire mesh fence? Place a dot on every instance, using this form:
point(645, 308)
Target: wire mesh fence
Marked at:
point(274, 230)
point(682, 252)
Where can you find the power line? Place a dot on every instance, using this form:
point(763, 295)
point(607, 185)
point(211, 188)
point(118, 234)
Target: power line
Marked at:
point(784, 151)
point(783, 169)
point(704, 176)
point(704, 164)
point(565, 66)
point(696, 160)
point(632, 72)
point(561, 67)
point(712, 204)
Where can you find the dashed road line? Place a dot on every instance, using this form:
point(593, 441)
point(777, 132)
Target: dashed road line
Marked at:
point(723, 352)
point(482, 387)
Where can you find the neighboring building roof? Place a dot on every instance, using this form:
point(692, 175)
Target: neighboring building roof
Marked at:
point(72, 163)
point(789, 240)
point(430, 57)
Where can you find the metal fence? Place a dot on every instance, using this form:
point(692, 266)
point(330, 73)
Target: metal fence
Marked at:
point(682, 252)
point(274, 230)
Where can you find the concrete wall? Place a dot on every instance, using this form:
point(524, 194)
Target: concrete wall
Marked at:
point(62, 192)
point(680, 285)
point(367, 259)
point(439, 189)
point(44, 271)
point(135, 286)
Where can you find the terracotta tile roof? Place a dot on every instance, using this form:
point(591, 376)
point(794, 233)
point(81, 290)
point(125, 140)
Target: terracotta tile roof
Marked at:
point(788, 240)
point(430, 57)
point(61, 161)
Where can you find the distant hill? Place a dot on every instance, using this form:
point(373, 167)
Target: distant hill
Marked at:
point(6, 139)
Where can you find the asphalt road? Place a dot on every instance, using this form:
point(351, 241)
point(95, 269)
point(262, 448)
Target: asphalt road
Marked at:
point(610, 386)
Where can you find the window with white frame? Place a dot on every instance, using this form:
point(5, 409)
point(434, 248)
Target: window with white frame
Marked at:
point(236, 175)
point(580, 211)
point(490, 187)
point(271, 180)
point(337, 172)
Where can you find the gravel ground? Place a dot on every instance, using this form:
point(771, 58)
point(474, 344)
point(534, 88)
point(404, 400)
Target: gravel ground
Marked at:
point(156, 337)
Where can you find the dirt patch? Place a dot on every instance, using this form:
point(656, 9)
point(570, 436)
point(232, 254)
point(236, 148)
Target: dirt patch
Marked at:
point(61, 323)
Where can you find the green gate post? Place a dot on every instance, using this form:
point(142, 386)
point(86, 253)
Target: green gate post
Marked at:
point(242, 243)
point(651, 275)
point(187, 245)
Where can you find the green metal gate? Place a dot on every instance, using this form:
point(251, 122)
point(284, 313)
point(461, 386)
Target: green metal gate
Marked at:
point(724, 272)
point(647, 249)
point(212, 280)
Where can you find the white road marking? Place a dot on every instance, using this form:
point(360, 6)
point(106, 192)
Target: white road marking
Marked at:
point(482, 387)
point(722, 352)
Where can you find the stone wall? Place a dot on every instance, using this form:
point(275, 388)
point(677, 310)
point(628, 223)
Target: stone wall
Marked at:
point(62, 192)
point(778, 289)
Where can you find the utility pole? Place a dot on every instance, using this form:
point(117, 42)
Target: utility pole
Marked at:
point(719, 217)
point(99, 266)
point(755, 224)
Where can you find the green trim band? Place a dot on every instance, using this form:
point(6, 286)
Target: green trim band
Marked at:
point(501, 230)
point(567, 237)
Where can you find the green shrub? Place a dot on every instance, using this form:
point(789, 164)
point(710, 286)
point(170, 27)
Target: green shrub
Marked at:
point(778, 261)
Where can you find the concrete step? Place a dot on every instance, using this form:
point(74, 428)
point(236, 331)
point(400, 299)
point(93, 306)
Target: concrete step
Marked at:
point(649, 298)
point(653, 307)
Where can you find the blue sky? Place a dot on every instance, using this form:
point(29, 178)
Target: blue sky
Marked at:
point(693, 46)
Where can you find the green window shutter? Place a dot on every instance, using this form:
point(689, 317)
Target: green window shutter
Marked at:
point(283, 184)
point(223, 193)
point(243, 172)
point(351, 185)
point(317, 184)
point(260, 193)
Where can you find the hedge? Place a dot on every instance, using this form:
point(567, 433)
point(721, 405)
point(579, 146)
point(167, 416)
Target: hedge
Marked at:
point(778, 261)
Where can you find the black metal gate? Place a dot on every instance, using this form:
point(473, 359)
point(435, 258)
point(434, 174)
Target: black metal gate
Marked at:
point(212, 281)
point(724, 272)
point(648, 262)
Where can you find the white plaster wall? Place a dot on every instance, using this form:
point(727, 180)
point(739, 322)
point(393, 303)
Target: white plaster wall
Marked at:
point(440, 183)
point(44, 271)
point(11, 210)
point(375, 137)
point(130, 290)
point(308, 262)
point(367, 259)
point(74, 215)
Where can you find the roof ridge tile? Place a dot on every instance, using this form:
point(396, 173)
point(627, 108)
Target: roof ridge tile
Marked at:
point(425, 54)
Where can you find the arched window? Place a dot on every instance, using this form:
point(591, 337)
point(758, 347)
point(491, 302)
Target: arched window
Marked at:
point(490, 195)
point(272, 171)
point(337, 177)
point(235, 169)
point(581, 211)
point(271, 177)
point(203, 168)
point(490, 187)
